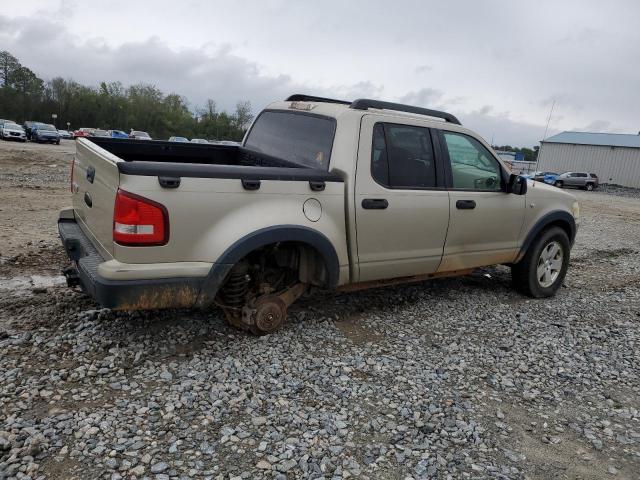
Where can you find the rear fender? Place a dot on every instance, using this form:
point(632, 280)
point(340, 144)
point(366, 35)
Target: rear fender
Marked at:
point(261, 238)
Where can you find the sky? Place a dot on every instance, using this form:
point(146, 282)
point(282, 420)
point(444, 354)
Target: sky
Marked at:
point(496, 65)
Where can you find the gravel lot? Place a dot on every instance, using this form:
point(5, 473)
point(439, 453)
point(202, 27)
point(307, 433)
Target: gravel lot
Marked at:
point(455, 378)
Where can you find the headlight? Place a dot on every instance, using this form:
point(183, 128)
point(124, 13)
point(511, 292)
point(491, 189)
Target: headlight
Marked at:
point(575, 210)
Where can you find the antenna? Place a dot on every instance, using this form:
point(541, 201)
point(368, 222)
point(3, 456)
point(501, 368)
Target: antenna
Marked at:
point(549, 120)
point(553, 104)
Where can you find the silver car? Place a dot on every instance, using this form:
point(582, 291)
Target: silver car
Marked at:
point(12, 131)
point(588, 181)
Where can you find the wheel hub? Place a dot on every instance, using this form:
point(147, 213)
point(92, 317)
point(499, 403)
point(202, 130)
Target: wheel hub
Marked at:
point(270, 312)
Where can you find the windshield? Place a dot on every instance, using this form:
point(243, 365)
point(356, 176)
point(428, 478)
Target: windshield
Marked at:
point(140, 134)
point(46, 127)
point(304, 139)
point(12, 126)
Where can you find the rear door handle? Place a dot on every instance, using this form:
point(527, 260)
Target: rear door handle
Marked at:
point(375, 203)
point(466, 204)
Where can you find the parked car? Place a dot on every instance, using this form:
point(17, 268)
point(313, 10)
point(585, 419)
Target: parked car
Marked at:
point(64, 134)
point(118, 134)
point(588, 181)
point(138, 135)
point(83, 132)
point(100, 133)
point(3, 121)
point(28, 127)
point(45, 133)
point(178, 139)
point(317, 187)
point(199, 140)
point(12, 131)
point(539, 176)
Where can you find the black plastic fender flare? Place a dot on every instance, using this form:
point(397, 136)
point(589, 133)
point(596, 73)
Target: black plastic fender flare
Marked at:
point(555, 217)
point(260, 238)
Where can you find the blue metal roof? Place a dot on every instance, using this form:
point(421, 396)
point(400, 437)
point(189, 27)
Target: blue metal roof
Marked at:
point(603, 139)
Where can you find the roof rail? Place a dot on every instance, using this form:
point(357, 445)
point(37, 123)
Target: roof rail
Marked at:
point(301, 97)
point(365, 104)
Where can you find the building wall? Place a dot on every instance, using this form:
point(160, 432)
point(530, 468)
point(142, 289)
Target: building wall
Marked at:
point(616, 165)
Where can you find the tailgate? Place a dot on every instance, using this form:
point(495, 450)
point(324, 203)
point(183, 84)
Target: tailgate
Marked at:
point(95, 183)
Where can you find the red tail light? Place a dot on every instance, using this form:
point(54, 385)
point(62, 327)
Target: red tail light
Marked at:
point(138, 221)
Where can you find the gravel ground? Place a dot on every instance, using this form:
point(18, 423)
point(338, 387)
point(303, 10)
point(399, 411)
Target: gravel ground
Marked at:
point(619, 191)
point(455, 378)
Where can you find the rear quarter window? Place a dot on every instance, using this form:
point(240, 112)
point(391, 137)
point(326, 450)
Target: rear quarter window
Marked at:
point(301, 138)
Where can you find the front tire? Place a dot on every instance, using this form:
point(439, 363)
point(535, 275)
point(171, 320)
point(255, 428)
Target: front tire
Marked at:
point(543, 269)
point(559, 184)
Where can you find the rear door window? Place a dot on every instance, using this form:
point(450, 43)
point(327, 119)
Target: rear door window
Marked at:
point(402, 156)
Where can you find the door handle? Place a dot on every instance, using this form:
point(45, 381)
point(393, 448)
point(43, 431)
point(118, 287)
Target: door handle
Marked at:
point(374, 203)
point(466, 204)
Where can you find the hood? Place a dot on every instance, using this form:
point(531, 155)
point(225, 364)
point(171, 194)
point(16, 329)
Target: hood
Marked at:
point(544, 190)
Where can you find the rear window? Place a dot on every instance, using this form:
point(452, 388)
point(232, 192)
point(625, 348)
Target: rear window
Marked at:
point(295, 137)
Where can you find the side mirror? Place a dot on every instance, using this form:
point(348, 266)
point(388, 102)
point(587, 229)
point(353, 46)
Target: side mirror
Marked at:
point(517, 185)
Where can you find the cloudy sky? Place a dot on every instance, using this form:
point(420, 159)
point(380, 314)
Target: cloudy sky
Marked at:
point(497, 65)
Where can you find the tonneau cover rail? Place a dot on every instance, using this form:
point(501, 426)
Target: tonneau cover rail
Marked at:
point(194, 170)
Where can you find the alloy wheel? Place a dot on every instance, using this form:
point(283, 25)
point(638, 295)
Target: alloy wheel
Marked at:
point(549, 264)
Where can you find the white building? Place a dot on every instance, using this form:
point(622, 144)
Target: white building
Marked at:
point(614, 157)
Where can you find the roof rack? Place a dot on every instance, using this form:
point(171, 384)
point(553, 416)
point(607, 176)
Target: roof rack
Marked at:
point(365, 104)
point(301, 97)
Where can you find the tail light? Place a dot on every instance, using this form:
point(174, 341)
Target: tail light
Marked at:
point(138, 221)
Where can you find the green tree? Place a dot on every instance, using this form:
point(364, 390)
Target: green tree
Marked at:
point(111, 105)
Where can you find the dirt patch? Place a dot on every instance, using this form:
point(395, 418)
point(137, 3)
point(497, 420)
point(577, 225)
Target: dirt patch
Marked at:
point(34, 180)
point(356, 330)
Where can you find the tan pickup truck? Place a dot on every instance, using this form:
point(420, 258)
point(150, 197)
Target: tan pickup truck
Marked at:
point(321, 193)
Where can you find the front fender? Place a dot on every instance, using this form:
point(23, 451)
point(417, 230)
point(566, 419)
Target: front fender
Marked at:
point(556, 217)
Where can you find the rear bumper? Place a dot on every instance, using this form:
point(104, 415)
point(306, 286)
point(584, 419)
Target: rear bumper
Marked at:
point(143, 294)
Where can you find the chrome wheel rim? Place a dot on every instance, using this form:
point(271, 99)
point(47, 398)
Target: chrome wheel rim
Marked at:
point(549, 264)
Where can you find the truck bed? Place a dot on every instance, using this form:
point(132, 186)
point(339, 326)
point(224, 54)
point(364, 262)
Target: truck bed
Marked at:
point(182, 152)
point(162, 158)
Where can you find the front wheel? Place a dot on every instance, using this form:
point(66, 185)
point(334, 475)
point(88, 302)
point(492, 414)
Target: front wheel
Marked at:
point(542, 270)
point(559, 184)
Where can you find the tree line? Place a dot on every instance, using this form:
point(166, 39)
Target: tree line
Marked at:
point(111, 105)
point(530, 154)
